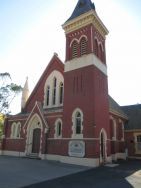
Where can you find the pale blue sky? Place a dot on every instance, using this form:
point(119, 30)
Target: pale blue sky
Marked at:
point(30, 32)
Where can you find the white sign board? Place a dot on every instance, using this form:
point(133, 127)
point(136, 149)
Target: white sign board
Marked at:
point(76, 148)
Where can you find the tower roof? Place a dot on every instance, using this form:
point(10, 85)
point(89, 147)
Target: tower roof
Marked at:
point(82, 7)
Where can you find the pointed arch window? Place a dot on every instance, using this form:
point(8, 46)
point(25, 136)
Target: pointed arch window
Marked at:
point(58, 128)
point(78, 123)
point(48, 94)
point(96, 47)
point(15, 130)
point(101, 52)
point(83, 46)
point(61, 90)
point(74, 49)
point(54, 91)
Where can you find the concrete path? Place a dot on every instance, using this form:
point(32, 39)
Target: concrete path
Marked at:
point(19, 172)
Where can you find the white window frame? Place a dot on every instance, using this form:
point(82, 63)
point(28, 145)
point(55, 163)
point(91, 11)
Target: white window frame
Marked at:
point(49, 83)
point(15, 130)
point(56, 135)
point(74, 134)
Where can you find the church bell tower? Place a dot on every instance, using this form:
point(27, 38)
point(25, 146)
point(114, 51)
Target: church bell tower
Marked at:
point(85, 75)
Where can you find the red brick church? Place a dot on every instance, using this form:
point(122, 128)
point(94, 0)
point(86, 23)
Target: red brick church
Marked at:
point(69, 116)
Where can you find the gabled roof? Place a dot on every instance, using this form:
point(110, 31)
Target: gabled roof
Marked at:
point(36, 109)
point(82, 7)
point(115, 108)
point(55, 58)
point(134, 114)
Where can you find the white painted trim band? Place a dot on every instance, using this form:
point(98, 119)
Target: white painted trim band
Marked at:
point(85, 61)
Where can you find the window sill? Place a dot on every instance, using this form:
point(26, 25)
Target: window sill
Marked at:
point(77, 136)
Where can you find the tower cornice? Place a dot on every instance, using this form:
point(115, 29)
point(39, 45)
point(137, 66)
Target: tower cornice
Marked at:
point(88, 18)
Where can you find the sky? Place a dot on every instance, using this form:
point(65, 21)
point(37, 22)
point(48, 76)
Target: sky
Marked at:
point(31, 31)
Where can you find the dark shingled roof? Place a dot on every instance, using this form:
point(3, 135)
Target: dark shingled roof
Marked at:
point(82, 7)
point(114, 106)
point(134, 115)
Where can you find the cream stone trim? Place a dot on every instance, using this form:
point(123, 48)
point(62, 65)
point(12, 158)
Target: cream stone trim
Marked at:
point(78, 40)
point(15, 130)
point(97, 139)
point(56, 129)
point(85, 61)
point(36, 104)
point(33, 124)
point(17, 120)
point(85, 19)
point(13, 153)
point(74, 135)
point(49, 82)
point(57, 116)
point(103, 131)
point(89, 162)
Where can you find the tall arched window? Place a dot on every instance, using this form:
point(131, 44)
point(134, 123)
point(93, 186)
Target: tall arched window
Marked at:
point(83, 46)
point(15, 130)
point(96, 47)
point(74, 49)
point(18, 130)
point(58, 128)
point(78, 123)
point(61, 90)
point(48, 93)
point(100, 53)
point(54, 91)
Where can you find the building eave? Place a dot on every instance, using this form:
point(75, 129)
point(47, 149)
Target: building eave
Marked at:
point(118, 114)
point(87, 18)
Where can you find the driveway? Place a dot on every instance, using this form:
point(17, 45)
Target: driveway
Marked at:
point(29, 173)
point(20, 172)
point(126, 175)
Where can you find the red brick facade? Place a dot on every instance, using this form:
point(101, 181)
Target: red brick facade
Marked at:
point(86, 128)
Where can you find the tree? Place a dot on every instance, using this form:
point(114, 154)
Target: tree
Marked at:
point(8, 92)
point(1, 125)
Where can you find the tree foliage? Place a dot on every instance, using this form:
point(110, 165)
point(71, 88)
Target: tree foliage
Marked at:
point(1, 125)
point(8, 91)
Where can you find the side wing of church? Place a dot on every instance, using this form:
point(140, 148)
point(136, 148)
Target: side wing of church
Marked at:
point(69, 116)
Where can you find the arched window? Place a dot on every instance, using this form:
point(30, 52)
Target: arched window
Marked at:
point(83, 46)
point(54, 91)
point(74, 49)
point(61, 90)
point(48, 93)
point(15, 130)
point(77, 120)
point(96, 47)
point(78, 123)
point(18, 130)
point(100, 53)
point(58, 129)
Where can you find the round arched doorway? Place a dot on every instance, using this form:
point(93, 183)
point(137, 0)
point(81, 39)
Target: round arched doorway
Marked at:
point(103, 146)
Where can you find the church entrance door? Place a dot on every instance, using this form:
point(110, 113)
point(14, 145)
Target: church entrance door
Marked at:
point(103, 149)
point(36, 140)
